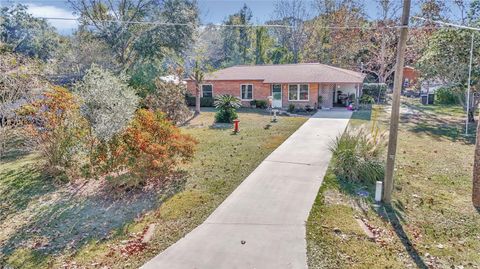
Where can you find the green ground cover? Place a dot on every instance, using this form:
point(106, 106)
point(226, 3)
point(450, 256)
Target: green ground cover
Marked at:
point(44, 224)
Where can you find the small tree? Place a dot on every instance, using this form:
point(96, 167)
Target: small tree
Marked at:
point(18, 86)
point(57, 130)
point(169, 97)
point(226, 106)
point(107, 103)
point(155, 146)
point(197, 77)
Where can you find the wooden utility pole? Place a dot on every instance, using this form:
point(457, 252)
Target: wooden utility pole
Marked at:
point(397, 87)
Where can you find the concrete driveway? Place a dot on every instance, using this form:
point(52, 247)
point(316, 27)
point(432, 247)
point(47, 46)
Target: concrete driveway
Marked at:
point(262, 223)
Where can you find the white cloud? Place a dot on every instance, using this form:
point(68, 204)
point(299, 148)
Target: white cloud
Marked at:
point(63, 26)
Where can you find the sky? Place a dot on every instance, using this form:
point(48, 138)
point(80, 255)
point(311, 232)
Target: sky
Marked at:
point(211, 11)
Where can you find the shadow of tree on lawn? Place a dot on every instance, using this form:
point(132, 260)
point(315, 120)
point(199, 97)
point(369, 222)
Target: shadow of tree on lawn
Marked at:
point(73, 220)
point(15, 147)
point(20, 186)
point(438, 127)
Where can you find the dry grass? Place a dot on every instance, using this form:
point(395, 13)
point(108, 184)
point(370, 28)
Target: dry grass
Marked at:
point(63, 226)
point(431, 223)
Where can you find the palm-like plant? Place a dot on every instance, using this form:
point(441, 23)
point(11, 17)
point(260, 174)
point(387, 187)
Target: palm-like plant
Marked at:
point(226, 106)
point(227, 101)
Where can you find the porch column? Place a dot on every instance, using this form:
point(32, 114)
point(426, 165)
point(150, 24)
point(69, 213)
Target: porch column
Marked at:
point(357, 94)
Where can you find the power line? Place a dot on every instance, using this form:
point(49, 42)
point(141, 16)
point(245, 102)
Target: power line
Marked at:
point(448, 24)
point(165, 23)
point(237, 25)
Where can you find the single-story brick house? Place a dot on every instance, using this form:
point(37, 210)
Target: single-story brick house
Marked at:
point(298, 84)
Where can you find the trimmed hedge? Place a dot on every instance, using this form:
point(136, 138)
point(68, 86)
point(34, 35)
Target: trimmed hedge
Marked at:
point(261, 103)
point(367, 99)
point(376, 90)
point(204, 101)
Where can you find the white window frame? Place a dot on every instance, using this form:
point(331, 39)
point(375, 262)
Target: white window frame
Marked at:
point(201, 88)
point(241, 95)
point(298, 92)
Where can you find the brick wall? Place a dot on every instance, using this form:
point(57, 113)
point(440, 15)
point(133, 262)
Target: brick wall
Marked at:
point(326, 91)
point(262, 90)
point(312, 98)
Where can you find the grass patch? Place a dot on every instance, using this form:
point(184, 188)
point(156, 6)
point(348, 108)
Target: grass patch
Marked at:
point(431, 223)
point(78, 226)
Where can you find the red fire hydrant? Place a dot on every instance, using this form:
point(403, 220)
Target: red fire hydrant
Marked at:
point(235, 125)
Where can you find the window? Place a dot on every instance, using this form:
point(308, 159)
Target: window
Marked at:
point(292, 92)
point(246, 91)
point(303, 92)
point(298, 92)
point(207, 90)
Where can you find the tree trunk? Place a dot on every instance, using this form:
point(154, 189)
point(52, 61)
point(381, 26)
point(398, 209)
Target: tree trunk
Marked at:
point(473, 107)
point(476, 172)
point(197, 100)
point(428, 91)
point(471, 114)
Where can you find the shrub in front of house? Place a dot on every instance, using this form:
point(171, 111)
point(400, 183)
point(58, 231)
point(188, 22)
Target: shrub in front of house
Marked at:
point(291, 108)
point(376, 90)
point(367, 100)
point(263, 104)
point(204, 101)
point(107, 102)
point(226, 106)
point(148, 149)
point(357, 155)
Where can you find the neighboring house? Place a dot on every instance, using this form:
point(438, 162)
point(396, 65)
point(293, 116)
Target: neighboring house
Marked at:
point(298, 84)
point(431, 86)
point(173, 79)
point(410, 77)
point(411, 81)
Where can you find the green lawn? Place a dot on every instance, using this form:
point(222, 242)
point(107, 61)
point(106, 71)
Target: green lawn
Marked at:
point(431, 224)
point(47, 224)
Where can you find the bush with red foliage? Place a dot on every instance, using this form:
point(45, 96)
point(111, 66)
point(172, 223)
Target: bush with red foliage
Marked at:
point(155, 146)
point(57, 130)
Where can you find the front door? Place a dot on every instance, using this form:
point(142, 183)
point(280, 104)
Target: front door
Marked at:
point(277, 95)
